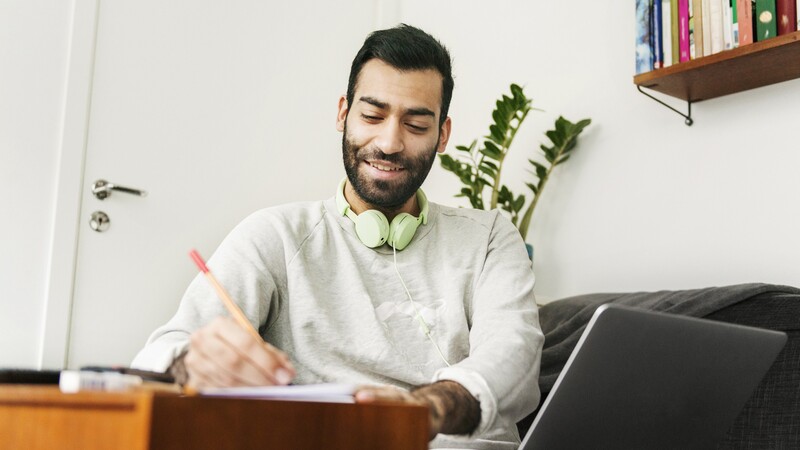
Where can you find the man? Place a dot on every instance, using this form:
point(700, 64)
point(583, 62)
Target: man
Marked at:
point(414, 301)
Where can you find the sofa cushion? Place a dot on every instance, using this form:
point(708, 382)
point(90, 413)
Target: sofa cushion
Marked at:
point(771, 418)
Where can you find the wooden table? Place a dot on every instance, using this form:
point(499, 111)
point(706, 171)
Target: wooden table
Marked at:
point(41, 417)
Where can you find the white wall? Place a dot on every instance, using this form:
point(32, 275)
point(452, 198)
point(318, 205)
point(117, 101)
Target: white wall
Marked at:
point(33, 58)
point(646, 202)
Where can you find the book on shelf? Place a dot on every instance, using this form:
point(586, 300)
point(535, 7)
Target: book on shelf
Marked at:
point(644, 52)
point(673, 20)
point(716, 30)
point(683, 30)
point(735, 25)
point(755, 19)
point(696, 27)
point(745, 22)
point(787, 16)
point(692, 53)
point(666, 36)
point(702, 27)
point(727, 25)
point(657, 34)
point(766, 26)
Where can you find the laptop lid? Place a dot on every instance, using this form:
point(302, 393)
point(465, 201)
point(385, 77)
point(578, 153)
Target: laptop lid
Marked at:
point(641, 379)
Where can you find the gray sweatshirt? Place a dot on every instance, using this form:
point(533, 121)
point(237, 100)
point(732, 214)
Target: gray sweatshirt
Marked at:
point(341, 313)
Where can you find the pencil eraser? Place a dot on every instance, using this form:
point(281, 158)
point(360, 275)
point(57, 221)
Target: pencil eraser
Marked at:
point(198, 260)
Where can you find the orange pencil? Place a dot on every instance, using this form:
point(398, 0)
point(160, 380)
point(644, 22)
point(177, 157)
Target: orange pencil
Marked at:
point(231, 306)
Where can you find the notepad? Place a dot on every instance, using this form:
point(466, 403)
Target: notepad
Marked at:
point(325, 392)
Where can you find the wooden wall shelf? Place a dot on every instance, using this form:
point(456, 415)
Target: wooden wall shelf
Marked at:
point(747, 67)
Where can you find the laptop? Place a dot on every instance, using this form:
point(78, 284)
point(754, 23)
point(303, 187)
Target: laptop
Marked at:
point(640, 379)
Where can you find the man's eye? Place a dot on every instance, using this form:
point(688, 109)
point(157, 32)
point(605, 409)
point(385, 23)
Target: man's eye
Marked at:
point(418, 128)
point(370, 118)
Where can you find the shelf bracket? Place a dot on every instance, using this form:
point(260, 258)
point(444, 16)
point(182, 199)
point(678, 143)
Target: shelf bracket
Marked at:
point(688, 117)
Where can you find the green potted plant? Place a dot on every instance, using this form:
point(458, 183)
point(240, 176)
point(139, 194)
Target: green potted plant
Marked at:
point(480, 165)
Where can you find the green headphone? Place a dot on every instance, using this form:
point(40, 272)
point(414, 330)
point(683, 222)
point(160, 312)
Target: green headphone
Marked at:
point(374, 230)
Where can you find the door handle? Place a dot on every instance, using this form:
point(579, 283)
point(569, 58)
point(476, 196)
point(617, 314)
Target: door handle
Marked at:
point(102, 190)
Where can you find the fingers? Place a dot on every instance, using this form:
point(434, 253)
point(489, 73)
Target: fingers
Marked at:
point(247, 360)
point(371, 394)
point(224, 354)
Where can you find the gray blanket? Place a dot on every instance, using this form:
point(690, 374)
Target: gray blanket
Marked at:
point(563, 321)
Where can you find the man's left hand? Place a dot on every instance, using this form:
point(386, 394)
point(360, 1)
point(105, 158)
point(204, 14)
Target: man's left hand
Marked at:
point(451, 408)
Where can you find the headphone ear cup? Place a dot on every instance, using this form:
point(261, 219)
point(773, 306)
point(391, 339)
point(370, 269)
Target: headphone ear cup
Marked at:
point(402, 230)
point(372, 228)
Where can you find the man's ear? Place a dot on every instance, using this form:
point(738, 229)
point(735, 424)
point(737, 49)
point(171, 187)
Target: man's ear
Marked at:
point(444, 134)
point(341, 117)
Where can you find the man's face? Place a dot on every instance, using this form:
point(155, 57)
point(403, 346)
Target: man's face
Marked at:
point(391, 132)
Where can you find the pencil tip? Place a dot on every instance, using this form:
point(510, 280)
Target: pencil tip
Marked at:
point(198, 260)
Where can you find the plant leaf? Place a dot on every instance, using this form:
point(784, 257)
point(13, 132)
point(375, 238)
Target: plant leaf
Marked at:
point(519, 203)
point(536, 164)
point(489, 164)
point(488, 171)
point(490, 153)
point(493, 149)
point(496, 134)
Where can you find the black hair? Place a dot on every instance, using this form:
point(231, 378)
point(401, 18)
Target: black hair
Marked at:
point(405, 47)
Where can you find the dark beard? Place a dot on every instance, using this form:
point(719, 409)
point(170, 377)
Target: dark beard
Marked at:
point(380, 193)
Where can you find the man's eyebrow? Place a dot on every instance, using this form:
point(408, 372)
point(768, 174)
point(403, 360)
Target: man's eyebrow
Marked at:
point(411, 111)
point(374, 102)
point(420, 112)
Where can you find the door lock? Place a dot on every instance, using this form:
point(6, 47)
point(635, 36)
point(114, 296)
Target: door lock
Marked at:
point(99, 221)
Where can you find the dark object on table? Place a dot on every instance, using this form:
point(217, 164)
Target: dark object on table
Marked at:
point(29, 376)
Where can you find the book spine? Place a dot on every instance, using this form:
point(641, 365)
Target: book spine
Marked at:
point(727, 25)
point(666, 38)
point(705, 7)
point(673, 20)
point(743, 8)
point(765, 20)
point(735, 27)
point(644, 55)
point(717, 42)
point(692, 54)
point(683, 29)
point(697, 23)
point(787, 16)
point(658, 38)
point(652, 35)
point(755, 20)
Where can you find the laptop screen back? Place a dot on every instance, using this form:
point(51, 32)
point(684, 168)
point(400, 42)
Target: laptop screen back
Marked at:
point(646, 380)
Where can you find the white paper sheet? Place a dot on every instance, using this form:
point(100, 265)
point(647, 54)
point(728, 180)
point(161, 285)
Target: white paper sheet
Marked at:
point(326, 392)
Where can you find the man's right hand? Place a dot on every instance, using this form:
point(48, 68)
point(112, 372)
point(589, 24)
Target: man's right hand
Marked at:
point(222, 354)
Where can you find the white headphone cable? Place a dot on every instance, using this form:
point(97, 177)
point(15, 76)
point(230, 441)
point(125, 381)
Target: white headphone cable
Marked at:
point(419, 317)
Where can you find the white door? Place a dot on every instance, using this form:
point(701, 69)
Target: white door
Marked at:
point(216, 109)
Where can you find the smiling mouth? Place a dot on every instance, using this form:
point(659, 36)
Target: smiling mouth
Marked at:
point(384, 168)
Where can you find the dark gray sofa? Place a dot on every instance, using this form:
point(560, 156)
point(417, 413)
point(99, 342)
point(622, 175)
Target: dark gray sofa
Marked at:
point(771, 418)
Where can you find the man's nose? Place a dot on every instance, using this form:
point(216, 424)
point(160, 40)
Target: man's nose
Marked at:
point(390, 138)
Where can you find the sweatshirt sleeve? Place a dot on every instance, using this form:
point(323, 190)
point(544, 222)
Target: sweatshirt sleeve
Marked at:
point(251, 278)
point(502, 368)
